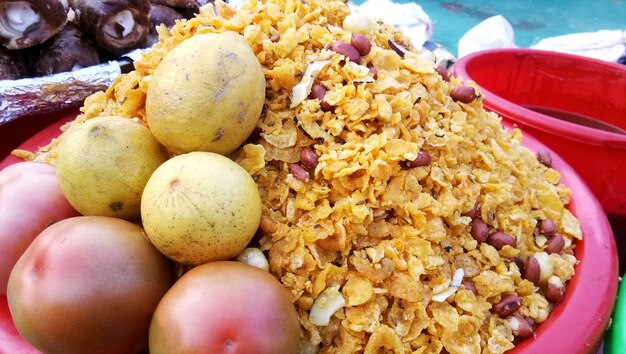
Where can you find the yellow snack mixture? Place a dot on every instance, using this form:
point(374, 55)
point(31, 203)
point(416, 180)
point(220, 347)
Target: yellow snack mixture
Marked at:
point(374, 252)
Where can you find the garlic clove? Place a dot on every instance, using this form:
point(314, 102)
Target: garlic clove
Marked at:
point(326, 304)
point(254, 257)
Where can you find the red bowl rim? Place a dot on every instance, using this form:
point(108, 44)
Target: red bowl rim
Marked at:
point(577, 323)
point(534, 119)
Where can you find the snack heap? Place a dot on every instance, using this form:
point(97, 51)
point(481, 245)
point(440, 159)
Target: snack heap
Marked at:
point(400, 215)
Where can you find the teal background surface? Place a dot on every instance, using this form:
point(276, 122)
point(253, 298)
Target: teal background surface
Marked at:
point(531, 20)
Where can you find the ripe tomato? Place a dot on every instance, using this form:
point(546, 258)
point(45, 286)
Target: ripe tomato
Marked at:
point(30, 200)
point(225, 307)
point(88, 284)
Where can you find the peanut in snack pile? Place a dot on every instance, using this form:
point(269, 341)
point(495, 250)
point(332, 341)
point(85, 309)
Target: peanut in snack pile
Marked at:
point(400, 215)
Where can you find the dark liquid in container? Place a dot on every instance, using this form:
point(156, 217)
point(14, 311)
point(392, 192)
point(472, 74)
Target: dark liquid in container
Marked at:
point(577, 119)
point(618, 224)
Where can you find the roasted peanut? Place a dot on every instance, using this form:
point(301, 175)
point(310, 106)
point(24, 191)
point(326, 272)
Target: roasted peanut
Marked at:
point(472, 213)
point(520, 326)
point(520, 264)
point(308, 158)
point(445, 75)
point(361, 43)
point(544, 157)
point(373, 72)
point(347, 50)
point(532, 270)
point(555, 244)
point(319, 92)
point(469, 285)
point(299, 172)
point(480, 230)
point(547, 227)
point(555, 290)
point(507, 305)
point(422, 159)
point(500, 239)
point(463, 93)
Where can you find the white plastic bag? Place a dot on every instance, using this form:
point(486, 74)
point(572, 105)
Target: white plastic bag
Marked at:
point(493, 32)
point(410, 17)
point(607, 45)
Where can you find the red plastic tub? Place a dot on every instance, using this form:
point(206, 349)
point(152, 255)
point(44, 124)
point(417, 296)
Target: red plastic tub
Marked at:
point(585, 122)
point(577, 324)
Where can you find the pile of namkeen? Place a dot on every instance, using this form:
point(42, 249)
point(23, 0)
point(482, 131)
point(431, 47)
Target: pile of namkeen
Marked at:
point(294, 136)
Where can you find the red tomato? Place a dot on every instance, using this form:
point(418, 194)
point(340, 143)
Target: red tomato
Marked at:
point(30, 200)
point(88, 284)
point(225, 307)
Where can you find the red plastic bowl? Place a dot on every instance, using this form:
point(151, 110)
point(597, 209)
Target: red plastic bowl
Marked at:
point(512, 80)
point(577, 323)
